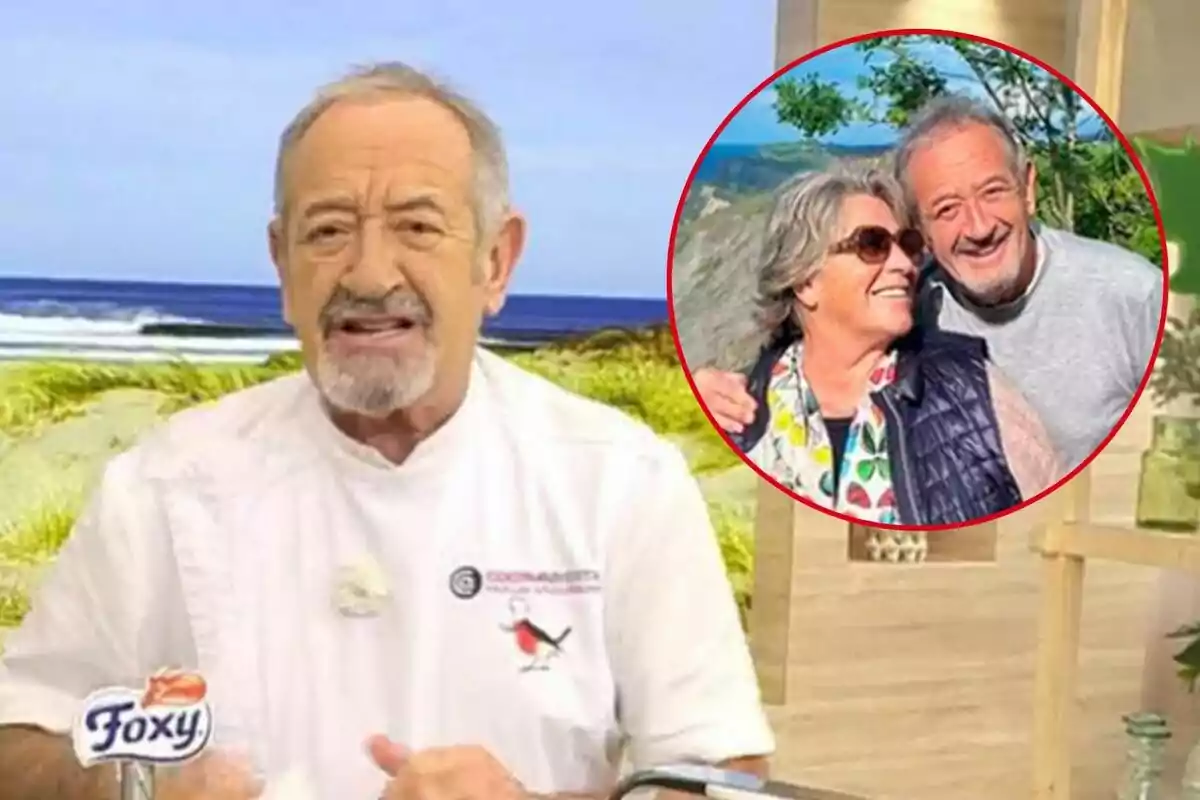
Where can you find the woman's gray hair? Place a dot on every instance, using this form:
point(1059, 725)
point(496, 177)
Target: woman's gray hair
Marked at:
point(801, 227)
point(395, 79)
point(951, 112)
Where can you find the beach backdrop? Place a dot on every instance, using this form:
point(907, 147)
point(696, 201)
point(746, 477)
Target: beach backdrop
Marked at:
point(134, 273)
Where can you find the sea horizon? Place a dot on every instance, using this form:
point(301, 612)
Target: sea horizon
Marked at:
point(142, 320)
point(19, 278)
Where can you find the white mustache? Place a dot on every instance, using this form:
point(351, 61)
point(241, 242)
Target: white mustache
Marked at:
point(976, 247)
point(410, 307)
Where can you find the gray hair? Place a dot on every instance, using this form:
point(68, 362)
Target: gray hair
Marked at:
point(395, 79)
point(801, 226)
point(950, 112)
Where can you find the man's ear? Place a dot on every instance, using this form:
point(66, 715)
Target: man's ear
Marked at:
point(1031, 189)
point(276, 245)
point(500, 260)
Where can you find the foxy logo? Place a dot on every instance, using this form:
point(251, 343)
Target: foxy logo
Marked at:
point(168, 722)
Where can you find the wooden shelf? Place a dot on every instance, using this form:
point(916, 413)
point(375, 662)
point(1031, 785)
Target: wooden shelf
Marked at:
point(1065, 548)
point(1149, 548)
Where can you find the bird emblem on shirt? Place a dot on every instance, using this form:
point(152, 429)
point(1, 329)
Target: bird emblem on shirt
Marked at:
point(533, 641)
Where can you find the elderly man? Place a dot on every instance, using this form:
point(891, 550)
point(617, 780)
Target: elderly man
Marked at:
point(414, 571)
point(1072, 321)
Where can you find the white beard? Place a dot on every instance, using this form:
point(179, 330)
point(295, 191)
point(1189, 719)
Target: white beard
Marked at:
point(376, 385)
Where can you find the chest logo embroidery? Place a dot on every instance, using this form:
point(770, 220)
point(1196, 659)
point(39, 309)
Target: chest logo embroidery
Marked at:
point(465, 582)
point(538, 646)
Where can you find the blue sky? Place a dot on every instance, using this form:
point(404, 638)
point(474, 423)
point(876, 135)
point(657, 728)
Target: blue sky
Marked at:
point(756, 123)
point(139, 136)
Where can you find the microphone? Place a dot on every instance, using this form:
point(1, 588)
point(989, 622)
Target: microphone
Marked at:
point(136, 780)
point(719, 784)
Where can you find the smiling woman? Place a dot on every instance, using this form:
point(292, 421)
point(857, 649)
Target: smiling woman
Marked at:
point(859, 411)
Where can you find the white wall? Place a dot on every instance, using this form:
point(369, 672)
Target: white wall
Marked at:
point(1162, 66)
point(1036, 26)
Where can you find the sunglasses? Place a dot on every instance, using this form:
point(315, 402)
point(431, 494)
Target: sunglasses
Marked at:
point(873, 243)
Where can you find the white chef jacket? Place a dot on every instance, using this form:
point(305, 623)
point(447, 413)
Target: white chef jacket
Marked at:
point(214, 545)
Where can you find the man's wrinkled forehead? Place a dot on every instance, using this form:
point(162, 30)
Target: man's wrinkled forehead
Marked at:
point(972, 138)
point(968, 152)
point(380, 151)
point(376, 195)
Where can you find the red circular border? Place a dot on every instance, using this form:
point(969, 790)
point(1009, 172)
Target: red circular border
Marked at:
point(1162, 323)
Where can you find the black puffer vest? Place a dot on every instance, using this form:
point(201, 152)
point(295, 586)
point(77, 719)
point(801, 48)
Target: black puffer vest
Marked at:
point(947, 463)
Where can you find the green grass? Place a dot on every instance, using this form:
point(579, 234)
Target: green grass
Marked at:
point(37, 537)
point(710, 453)
point(31, 542)
point(40, 394)
point(637, 372)
point(14, 605)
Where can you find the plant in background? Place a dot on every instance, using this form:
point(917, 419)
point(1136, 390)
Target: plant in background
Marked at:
point(1188, 659)
point(1177, 374)
point(1177, 377)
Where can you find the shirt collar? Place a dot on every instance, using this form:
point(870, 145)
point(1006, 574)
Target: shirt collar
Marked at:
point(442, 442)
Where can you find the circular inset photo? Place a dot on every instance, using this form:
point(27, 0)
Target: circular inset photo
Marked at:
point(917, 279)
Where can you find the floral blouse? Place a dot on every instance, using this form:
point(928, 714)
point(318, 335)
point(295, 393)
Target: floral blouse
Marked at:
point(796, 449)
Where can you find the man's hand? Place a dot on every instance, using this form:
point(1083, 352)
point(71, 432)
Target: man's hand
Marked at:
point(443, 773)
point(725, 396)
point(213, 775)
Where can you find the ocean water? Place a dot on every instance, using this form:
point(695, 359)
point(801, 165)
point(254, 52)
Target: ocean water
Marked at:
point(112, 320)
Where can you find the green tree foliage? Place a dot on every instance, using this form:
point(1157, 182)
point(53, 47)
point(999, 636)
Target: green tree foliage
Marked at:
point(1088, 186)
point(814, 106)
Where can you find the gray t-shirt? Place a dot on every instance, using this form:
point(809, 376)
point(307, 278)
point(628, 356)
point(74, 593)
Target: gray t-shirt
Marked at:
point(1077, 344)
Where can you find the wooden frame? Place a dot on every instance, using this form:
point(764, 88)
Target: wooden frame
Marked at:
point(1100, 55)
point(1064, 548)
